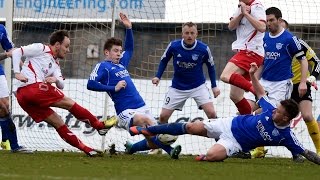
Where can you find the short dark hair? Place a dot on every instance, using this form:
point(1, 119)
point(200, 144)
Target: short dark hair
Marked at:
point(275, 11)
point(291, 107)
point(189, 24)
point(110, 42)
point(58, 36)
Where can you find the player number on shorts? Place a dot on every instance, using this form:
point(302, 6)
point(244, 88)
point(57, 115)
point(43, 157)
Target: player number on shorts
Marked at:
point(167, 100)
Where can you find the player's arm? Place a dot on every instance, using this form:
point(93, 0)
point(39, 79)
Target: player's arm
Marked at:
point(3, 56)
point(94, 82)
point(128, 45)
point(255, 15)
point(235, 20)
point(164, 61)
point(212, 73)
point(58, 78)
point(311, 156)
point(259, 90)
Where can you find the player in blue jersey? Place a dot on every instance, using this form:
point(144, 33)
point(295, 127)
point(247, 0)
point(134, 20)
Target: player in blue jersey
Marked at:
point(8, 128)
point(244, 132)
point(189, 55)
point(111, 76)
point(280, 47)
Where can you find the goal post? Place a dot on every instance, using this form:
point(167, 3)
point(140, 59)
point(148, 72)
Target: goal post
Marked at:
point(155, 24)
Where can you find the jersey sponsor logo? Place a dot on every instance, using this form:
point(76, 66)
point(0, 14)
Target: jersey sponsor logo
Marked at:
point(186, 65)
point(195, 57)
point(122, 74)
point(279, 46)
point(265, 135)
point(272, 55)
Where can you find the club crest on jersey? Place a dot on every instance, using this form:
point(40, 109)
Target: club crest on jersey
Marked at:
point(279, 46)
point(50, 65)
point(275, 132)
point(195, 57)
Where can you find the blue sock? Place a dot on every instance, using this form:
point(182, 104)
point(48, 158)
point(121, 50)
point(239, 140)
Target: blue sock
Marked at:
point(156, 141)
point(171, 128)
point(9, 128)
point(4, 135)
point(139, 146)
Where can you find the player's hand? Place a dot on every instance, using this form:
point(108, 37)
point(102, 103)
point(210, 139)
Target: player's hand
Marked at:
point(20, 77)
point(155, 81)
point(313, 82)
point(121, 84)
point(302, 89)
point(50, 80)
point(9, 53)
point(253, 68)
point(216, 92)
point(125, 20)
point(244, 8)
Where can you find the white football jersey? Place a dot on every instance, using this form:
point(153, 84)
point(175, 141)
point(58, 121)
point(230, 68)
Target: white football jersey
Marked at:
point(39, 63)
point(248, 38)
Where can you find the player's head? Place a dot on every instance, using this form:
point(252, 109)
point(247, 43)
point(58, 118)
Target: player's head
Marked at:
point(284, 24)
point(189, 33)
point(113, 49)
point(285, 112)
point(60, 43)
point(245, 1)
point(274, 18)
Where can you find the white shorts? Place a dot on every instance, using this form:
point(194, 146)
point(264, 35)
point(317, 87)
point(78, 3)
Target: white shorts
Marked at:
point(125, 118)
point(221, 129)
point(276, 90)
point(4, 90)
point(175, 98)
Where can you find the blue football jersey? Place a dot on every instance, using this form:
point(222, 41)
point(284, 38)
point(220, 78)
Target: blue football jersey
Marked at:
point(252, 131)
point(106, 75)
point(6, 44)
point(187, 64)
point(279, 51)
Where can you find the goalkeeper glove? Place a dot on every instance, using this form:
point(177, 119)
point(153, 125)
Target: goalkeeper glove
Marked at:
point(313, 82)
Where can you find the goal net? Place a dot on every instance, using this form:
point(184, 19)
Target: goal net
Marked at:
point(155, 24)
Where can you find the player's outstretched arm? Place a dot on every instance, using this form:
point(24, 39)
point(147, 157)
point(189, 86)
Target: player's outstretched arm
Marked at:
point(311, 156)
point(259, 90)
point(125, 20)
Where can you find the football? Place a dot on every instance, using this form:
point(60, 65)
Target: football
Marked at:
point(167, 139)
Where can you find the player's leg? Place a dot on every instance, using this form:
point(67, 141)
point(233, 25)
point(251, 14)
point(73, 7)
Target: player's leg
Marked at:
point(305, 106)
point(82, 114)
point(236, 95)
point(203, 98)
point(7, 126)
point(174, 100)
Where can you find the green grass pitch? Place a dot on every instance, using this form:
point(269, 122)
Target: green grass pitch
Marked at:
point(77, 166)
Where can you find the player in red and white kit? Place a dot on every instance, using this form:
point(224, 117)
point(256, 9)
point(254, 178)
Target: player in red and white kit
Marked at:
point(36, 94)
point(249, 21)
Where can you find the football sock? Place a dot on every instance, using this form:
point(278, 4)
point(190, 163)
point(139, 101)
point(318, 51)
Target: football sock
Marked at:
point(84, 115)
point(243, 106)
point(313, 130)
point(241, 82)
point(4, 136)
point(9, 128)
point(156, 141)
point(171, 128)
point(72, 139)
point(139, 146)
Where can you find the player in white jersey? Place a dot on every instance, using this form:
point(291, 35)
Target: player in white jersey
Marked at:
point(243, 132)
point(249, 21)
point(36, 94)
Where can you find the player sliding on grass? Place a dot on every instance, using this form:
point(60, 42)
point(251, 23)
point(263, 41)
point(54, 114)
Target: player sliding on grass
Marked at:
point(244, 132)
point(36, 94)
point(111, 76)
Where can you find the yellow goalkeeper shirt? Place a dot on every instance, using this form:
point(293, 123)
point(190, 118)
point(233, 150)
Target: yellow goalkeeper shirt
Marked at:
point(313, 61)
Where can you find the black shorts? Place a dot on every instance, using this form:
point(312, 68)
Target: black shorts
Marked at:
point(295, 93)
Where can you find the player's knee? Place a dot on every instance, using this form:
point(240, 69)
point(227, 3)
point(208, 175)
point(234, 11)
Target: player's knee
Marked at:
point(164, 118)
point(224, 77)
point(214, 157)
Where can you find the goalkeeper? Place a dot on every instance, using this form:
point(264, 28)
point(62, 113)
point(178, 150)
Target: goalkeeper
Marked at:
point(305, 102)
point(243, 132)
